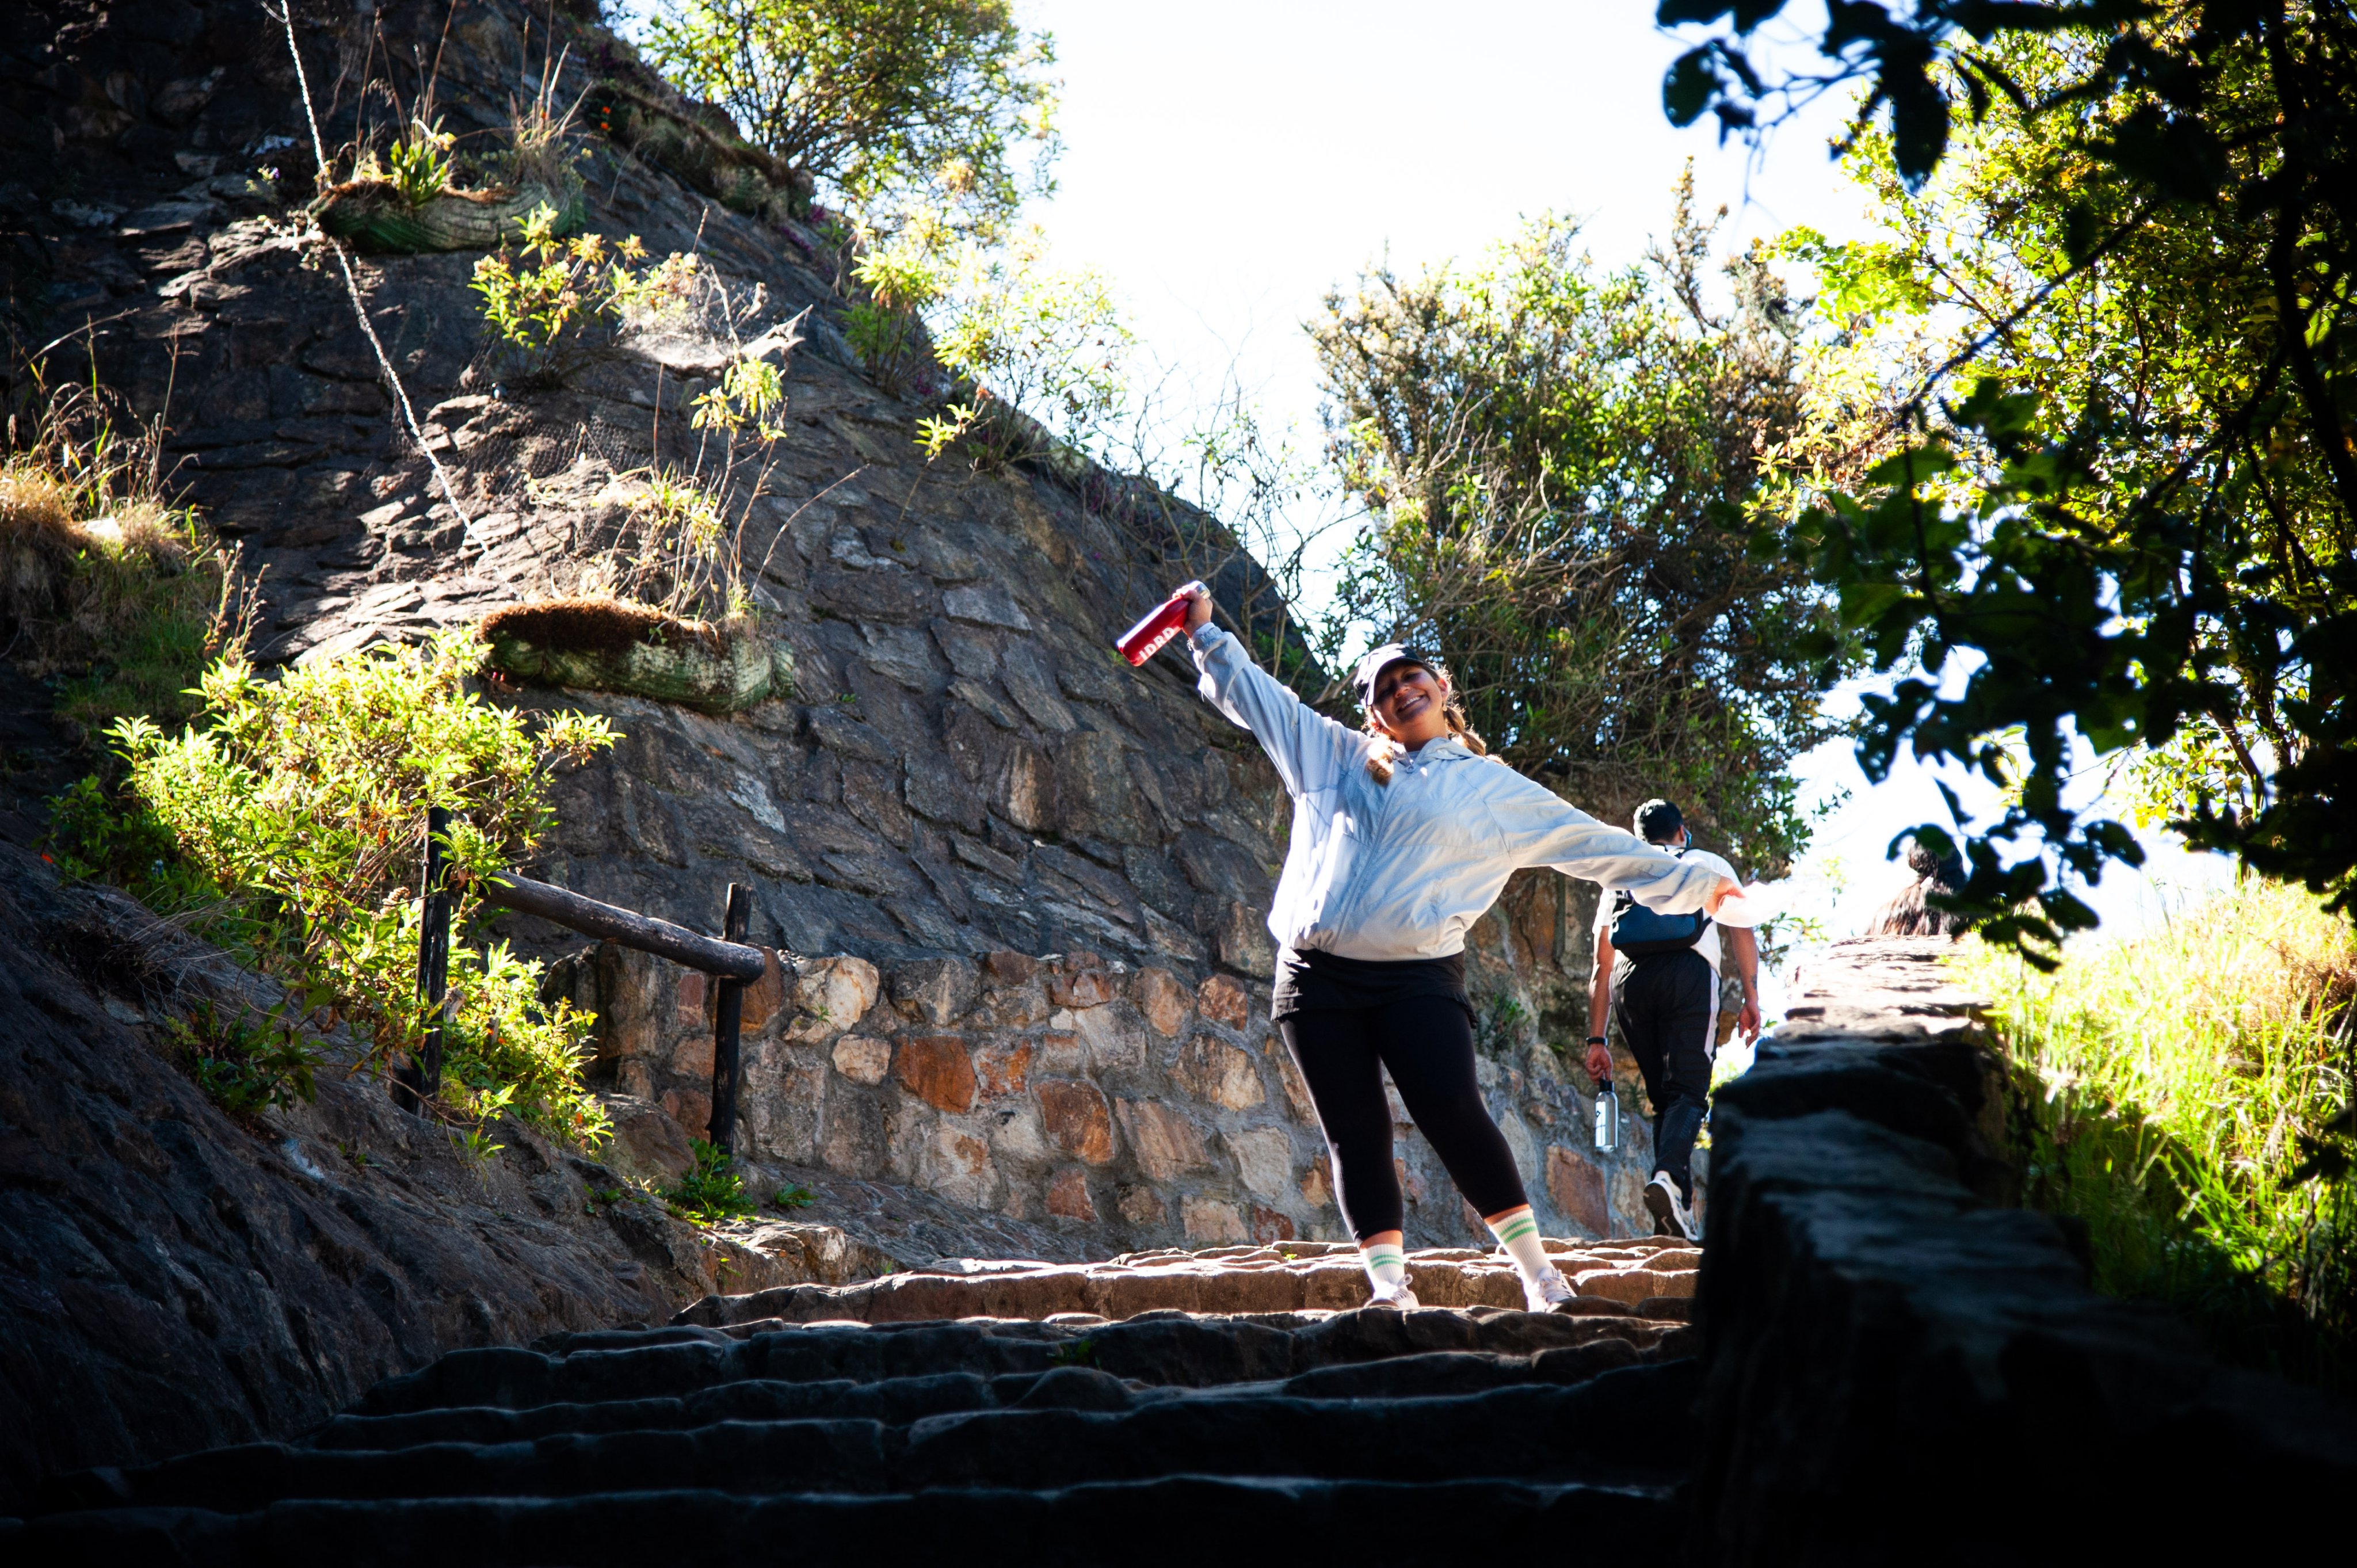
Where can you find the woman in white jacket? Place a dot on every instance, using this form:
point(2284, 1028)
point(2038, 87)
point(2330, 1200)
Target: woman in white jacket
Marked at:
point(1404, 834)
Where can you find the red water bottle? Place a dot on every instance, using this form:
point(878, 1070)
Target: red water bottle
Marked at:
point(1167, 621)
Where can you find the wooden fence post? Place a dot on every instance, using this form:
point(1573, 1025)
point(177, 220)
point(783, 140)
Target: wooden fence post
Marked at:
point(434, 951)
point(728, 1016)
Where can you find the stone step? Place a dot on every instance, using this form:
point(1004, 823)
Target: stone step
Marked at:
point(899, 1402)
point(1610, 1428)
point(1292, 1276)
point(1179, 1521)
point(1167, 1348)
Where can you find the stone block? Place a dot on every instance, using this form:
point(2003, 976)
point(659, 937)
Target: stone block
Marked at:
point(1223, 1001)
point(1263, 1158)
point(1334, 1286)
point(1016, 1133)
point(862, 1059)
point(937, 1070)
point(647, 1145)
point(1002, 1069)
point(1163, 1000)
point(1076, 1119)
point(851, 1135)
point(1629, 1214)
point(692, 1108)
point(1068, 1195)
point(1167, 1145)
point(957, 1165)
point(830, 996)
point(1115, 1040)
point(1081, 980)
point(691, 1057)
point(1241, 936)
point(764, 996)
point(1126, 1293)
point(936, 991)
point(1141, 1204)
point(1218, 1073)
point(1298, 1103)
point(1006, 967)
point(779, 1106)
point(1576, 1186)
point(1211, 1219)
point(1317, 1187)
point(688, 999)
point(1267, 1226)
point(1061, 1054)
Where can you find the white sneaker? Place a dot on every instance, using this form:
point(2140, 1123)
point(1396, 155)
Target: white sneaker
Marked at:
point(1547, 1293)
point(1671, 1214)
point(1398, 1297)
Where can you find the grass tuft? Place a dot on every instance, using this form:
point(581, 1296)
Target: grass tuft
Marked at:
point(2185, 1095)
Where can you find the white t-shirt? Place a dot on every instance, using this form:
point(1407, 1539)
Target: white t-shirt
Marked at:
point(1708, 944)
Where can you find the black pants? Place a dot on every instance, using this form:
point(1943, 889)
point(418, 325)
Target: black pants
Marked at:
point(1427, 1042)
point(1668, 1007)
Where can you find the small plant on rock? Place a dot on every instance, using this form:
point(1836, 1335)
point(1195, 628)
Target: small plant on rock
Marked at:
point(248, 1059)
point(711, 1192)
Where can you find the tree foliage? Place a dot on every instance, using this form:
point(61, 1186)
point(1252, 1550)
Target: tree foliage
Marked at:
point(1551, 456)
point(877, 100)
point(2138, 216)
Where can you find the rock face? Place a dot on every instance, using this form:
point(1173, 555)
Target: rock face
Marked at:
point(1884, 1337)
point(170, 1278)
point(963, 767)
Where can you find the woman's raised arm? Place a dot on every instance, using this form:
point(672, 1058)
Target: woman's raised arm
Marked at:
point(1311, 751)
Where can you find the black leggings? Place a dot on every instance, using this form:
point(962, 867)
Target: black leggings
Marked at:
point(1428, 1044)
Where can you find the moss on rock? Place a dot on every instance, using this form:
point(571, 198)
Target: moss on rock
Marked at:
point(611, 645)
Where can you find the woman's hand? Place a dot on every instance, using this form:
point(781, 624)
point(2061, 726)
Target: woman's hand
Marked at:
point(1719, 894)
point(1198, 606)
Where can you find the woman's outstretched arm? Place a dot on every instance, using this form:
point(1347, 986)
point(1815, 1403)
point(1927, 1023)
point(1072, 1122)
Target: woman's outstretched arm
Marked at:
point(1543, 829)
point(1311, 750)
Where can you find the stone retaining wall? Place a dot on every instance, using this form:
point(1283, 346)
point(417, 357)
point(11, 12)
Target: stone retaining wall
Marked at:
point(1128, 1105)
point(1900, 1366)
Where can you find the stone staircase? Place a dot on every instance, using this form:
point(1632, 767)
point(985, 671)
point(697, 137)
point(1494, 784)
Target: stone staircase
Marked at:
point(1161, 1407)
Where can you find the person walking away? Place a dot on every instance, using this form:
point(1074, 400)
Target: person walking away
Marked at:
point(1404, 834)
point(1665, 973)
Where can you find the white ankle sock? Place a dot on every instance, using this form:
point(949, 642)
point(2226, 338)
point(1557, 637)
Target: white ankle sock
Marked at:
point(1519, 1233)
point(1386, 1265)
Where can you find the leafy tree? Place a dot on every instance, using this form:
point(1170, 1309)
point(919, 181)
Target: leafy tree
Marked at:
point(1551, 456)
point(2143, 215)
point(877, 100)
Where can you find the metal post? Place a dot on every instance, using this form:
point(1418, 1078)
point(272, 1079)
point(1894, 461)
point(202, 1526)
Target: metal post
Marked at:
point(434, 949)
point(728, 1015)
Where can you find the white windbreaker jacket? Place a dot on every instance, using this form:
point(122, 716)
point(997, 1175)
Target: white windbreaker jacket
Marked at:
point(1401, 870)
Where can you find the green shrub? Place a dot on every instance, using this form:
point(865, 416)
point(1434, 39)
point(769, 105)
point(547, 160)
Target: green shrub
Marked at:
point(2185, 1095)
point(248, 1059)
point(302, 801)
point(711, 1192)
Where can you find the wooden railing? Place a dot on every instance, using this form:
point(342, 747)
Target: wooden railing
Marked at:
point(729, 958)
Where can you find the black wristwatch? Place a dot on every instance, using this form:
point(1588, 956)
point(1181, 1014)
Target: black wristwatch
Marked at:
point(1597, 1041)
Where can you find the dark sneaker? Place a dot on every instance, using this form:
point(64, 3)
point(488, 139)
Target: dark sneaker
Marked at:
point(1670, 1216)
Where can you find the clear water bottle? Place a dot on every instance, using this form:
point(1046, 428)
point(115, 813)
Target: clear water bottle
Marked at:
point(1608, 1117)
